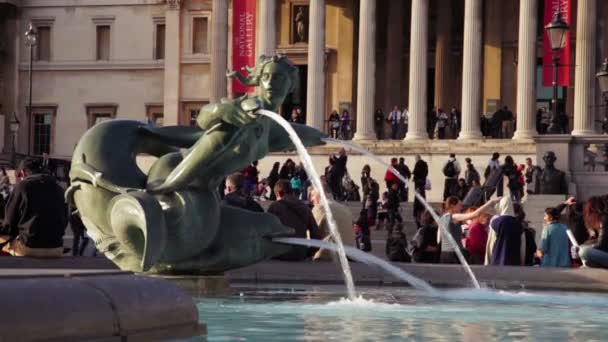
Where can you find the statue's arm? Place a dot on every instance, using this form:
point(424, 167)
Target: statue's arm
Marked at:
point(248, 81)
point(279, 139)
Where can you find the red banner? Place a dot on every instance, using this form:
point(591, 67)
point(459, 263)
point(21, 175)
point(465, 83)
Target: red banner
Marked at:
point(563, 71)
point(243, 40)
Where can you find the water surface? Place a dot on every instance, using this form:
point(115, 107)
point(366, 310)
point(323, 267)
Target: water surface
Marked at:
point(393, 314)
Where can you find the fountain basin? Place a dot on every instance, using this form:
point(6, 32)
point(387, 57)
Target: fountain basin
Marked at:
point(56, 303)
point(444, 276)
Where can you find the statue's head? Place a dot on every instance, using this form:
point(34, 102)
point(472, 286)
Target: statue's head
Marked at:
point(549, 158)
point(277, 78)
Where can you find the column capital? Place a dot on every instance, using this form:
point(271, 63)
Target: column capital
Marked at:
point(173, 4)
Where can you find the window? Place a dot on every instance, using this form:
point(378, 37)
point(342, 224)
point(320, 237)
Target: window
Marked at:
point(200, 30)
point(155, 115)
point(98, 113)
point(43, 46)
point(159, 48)
point(41, 127)
point(189, 112)
point(103, 43)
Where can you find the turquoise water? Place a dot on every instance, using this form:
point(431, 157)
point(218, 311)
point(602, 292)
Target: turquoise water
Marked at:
point(393, 314)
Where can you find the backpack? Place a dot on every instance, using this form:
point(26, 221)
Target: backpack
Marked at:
point(449, 170)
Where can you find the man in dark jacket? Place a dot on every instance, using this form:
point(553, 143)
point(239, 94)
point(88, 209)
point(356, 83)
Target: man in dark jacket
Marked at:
point(407, 174)
point(337, 173)
point(36, 216)
point(234, 194)
point(295, 214)
point(421, 171)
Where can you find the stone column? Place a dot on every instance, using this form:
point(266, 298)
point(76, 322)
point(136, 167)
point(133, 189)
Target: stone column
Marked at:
point(585, 69)
point(393, 79)
point(443, 58)
point(526, 70)
point(366, 78)
point(471, 70)
point(315, 88)
point(171, 83)
point(418, 69)
point(267, 28)
point(219, 50)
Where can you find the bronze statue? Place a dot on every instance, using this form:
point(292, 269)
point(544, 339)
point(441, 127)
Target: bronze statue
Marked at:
point(552, 180)
point(170, 220)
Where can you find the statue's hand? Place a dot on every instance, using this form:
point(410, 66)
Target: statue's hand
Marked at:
point(230, 73)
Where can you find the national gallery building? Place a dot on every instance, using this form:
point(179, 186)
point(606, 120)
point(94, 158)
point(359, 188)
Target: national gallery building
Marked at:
point(85, 61)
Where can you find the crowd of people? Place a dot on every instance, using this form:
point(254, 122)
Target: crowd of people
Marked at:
point(487, 229)
point(441, 123)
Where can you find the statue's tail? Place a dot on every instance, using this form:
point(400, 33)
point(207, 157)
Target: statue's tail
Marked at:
point(138, 222)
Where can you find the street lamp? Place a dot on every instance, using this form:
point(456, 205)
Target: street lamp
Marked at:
point(602, 79)
point(31, 38)
point(14, 128)
point(557, 30)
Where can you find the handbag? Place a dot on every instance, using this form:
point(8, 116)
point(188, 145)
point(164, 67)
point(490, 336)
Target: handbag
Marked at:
point(427, 185)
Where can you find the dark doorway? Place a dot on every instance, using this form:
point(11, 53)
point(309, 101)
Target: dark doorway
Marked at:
point(430, 89)
point(297, 99)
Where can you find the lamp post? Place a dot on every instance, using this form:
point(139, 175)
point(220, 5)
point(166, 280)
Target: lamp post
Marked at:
point(602, 79)
point(557, 31)
point(14, 128)
point(31, 38)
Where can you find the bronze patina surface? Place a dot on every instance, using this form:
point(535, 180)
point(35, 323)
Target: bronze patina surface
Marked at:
point(171, 220)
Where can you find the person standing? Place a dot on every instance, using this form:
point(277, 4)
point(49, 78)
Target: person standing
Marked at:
point(389, 177)
point(470, 174)
point(421, 172)
point(493, 174)
point(392, 206)
point(507, 123)
point(334, 124)
point(532, 177)
point(379, 124)
point(513, 175)
point(345, 125)
point(451, 171)
point(404, 171)
point(337, 173)
point(431, 122)
point(554, 248)
point(405, 118)
point(251, 174)
point(394, 118)
point(442, 123)
point(273, 178)
point(295, 214)
point(506, 244)
point(454, 123)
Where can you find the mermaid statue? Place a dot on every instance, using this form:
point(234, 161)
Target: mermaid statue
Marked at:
point(170, 220)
